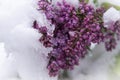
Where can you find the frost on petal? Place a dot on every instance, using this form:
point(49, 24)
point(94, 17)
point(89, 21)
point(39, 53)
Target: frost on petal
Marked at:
point(111, 15)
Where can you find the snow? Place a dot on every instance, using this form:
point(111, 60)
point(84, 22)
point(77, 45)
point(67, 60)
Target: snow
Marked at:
point(96, 66)
point(111, 15)
point(26, 58)
point(73, 2)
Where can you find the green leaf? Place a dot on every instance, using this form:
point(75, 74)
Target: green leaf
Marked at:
point(96, 2)
point(116, 68)
point(114, 73)
point(108, 5)
point(84, 1)
point(88, 48)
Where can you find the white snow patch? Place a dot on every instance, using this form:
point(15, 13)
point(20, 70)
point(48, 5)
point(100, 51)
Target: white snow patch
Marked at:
point(111, 15)
point(26, 56)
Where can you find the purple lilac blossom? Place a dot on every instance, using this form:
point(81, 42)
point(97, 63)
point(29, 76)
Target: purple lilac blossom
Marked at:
point(75, 30)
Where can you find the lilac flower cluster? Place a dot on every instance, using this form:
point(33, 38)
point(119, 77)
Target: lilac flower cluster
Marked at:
point(75, 30)
point(112, 35)
point(45, 39)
